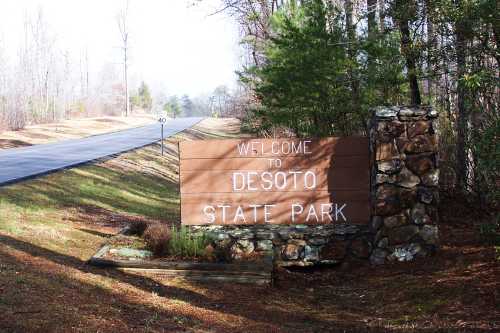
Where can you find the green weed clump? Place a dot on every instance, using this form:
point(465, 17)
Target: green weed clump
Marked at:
point(185, 243)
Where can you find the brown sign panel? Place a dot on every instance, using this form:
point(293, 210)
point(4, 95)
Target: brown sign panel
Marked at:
point(278, 181)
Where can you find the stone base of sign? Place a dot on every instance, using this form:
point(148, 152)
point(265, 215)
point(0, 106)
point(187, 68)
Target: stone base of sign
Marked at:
point(404, 197)
point(405, 177)
point(298, 245)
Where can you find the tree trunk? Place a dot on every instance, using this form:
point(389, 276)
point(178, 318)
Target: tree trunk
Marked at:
point(371, 5)
point(431, 47)
point(381, 15)
point(127, 102)
point(462, 113)
point(406, 48)
point(351, 51)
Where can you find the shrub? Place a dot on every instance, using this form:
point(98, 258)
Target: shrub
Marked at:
point(158, 238)
point(185, 243)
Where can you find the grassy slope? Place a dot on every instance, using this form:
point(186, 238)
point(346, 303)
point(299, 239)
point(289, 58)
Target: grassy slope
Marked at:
point(137, 185)
point(50, 226)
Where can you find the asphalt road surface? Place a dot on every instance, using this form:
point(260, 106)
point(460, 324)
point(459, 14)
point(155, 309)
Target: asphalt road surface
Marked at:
point(22, 163)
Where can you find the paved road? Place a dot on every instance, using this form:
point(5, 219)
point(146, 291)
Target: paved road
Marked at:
point(21, 163)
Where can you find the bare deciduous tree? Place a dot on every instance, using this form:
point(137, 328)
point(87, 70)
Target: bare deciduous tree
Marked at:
point(122, 20)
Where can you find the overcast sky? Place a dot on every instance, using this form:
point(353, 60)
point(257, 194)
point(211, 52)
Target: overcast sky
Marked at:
point(174, 45)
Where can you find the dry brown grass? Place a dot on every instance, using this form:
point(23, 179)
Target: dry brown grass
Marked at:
point(157, 236)
point(70, 129)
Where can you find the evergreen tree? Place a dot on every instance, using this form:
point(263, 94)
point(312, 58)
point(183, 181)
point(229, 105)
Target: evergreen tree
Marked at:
point(145, 97)
point(316, 81)
point(172, 107)
point(187, 106)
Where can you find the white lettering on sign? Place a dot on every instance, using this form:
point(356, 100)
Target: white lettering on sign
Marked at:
point(254, 148)
point(237, 214)
point(267, 213)
point(297, 209)
point(271, 181)
point(275, 181)
point(326, 212)
point(338, 211)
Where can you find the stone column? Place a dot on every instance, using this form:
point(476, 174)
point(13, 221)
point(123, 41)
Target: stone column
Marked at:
point(405, 176)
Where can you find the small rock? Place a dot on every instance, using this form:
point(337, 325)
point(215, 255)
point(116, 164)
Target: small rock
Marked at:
point(241, 248)
point(284, 233)
point(345, 229)
point(418, 214)
point(386, 151)
point(429, 234)
point(311, 253)
point(261, 235)
point(221, 236)
point(431, 178)
point(407, 179)
point(421, 144)
point(317, 241)
point(296, 235)
point(264, 245)
point(395, 221)
point(383, 178)
point(378, 256)
point(223, 243)
point(323, 233)
point(402, 234)
point(405, 252)
point(412, 112)
point(383, 243)
point(386, 191)
point(291, 252)
point(432, 113)
point(241, 234)
point(407, 197)
point(419, 164)
point(418, 128)
point(387, 207)
point(376, 223)
point(425, 195)
point(389, 167)
point(298, 242)
point(246, 245)
point(386, 113)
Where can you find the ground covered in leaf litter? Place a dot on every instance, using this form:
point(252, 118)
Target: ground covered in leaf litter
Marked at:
point(49, 227)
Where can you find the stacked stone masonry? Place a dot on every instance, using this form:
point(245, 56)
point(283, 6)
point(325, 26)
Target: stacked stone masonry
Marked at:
point(297, 245)
point(405, 177)
point(404, 197)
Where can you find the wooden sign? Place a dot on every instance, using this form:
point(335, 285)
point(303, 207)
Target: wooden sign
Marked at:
point(278, 181)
